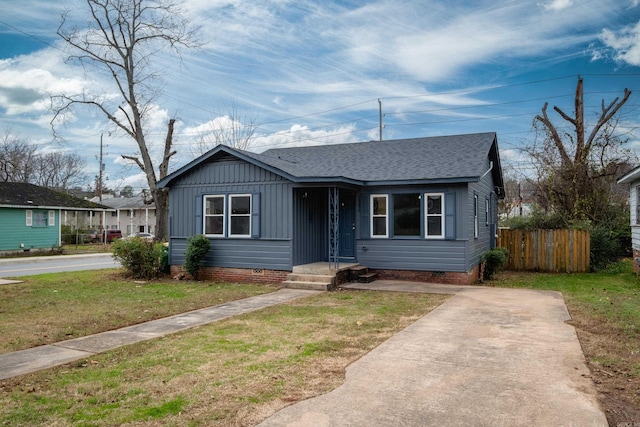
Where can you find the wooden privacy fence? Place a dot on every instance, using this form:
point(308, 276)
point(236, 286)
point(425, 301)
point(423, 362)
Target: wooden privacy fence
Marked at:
point(562, 251)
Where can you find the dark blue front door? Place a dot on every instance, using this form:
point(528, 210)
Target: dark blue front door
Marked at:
point(347, 225)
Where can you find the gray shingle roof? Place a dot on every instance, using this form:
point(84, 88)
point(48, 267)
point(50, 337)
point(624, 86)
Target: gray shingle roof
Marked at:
point(432, 158)
point(24, 194)
point(453, 158)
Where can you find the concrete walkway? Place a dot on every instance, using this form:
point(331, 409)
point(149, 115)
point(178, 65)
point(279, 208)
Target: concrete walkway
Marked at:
point(47, 356)
point(486, 357)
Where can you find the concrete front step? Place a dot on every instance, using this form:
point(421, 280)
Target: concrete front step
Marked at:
point(320, 278)
point(311, 286)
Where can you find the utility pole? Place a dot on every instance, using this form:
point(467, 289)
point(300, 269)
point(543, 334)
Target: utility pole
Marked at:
point(380, 113)
point(100, 172)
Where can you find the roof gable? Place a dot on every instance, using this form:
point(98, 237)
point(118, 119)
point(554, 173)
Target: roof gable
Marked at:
point(28, 195)
point(455, 158)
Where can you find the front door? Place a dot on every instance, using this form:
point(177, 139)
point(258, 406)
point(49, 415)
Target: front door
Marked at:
point(347, 225)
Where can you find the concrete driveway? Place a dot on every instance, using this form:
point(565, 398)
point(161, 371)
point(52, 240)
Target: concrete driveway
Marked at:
point(486, 357)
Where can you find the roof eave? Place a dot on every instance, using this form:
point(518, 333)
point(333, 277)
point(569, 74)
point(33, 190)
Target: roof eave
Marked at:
point(64, 208)
point(632, 175)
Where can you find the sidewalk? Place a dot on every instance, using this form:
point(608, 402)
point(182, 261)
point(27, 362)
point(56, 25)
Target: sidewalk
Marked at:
point(47, 356)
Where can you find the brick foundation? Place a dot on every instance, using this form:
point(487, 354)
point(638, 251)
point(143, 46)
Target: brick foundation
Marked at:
point(236, 275)
point(446, 277)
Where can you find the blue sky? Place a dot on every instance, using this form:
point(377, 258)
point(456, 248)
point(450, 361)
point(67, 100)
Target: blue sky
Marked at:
point(311, 72)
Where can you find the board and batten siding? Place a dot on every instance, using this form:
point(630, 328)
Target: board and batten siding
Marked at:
point(14, 231)
point(271, 247)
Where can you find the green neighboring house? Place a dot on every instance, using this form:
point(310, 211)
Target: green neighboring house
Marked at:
point(30, 216)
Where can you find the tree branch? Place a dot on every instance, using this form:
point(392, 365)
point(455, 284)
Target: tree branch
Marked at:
point(555, 137)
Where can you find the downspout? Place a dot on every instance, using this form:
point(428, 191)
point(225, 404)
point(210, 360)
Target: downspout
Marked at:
point(489, 170)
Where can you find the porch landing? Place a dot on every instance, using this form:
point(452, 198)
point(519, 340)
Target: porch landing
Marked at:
point(319, 276)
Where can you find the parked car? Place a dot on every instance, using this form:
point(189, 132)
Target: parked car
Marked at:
point(143, 236)
point(111, 235)
point(94, 236)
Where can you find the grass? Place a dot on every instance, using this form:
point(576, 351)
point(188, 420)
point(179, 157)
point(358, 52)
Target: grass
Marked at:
point(240, 370)
point(605, 310)
point(49, 308)
point(233, 372)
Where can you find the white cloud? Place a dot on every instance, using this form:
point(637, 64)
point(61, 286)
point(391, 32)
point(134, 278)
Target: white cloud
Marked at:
point(624, 43)
point(558, 4)
point(299, 135)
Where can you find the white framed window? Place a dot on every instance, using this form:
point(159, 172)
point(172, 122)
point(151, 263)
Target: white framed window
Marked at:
point(475, 215)
point(214, 216)
point(240, 215)
point(486, 212)
point(434, 215)
point(379, 215)
point(52, 218)
point(29, 218)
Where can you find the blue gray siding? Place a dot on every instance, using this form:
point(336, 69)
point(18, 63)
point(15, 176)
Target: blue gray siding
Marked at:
point(311, 228)
point(477, 246)
point(271, 247)
point(412, 253)
point(419, 255)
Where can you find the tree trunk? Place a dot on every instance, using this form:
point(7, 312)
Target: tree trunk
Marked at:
point(161, 198)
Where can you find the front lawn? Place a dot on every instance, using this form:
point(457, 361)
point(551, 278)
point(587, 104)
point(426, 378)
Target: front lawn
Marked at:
point(49, 308)
point(234, 372)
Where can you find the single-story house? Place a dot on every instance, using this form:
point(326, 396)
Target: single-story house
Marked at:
point(633, 179)
point(415, 209)
point(30, 216)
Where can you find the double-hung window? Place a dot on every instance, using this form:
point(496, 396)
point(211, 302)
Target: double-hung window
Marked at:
point(240, 215)
point(227, 216)
point(214, 215)
point(434, 215)
point(379, 215)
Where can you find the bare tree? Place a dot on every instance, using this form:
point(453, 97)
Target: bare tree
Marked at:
point(576, 169)
point(20, 162)
point(231, 128)
point(17, 156)
point(60, 170)
point(121, 39)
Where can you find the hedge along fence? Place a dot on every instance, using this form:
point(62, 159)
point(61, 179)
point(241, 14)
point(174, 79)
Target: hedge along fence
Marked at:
point(560, 251)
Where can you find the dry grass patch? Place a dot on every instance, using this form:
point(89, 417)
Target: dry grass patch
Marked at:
point(234, 372)
point(50, 308)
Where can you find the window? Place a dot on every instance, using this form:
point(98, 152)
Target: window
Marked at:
point(52, 218)
point(486, 212)
point(240, 215)
point(475, 215)
point(39, 219)
point(29, 218)
point(214, 215)
point(434, 221)
point(379, 218)
point(406, 214)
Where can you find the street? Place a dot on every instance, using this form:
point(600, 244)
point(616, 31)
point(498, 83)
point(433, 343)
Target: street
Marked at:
point(16, 267)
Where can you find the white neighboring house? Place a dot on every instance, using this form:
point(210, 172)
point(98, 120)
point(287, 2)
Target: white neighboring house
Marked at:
point(131, 215)
point(633, 179)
